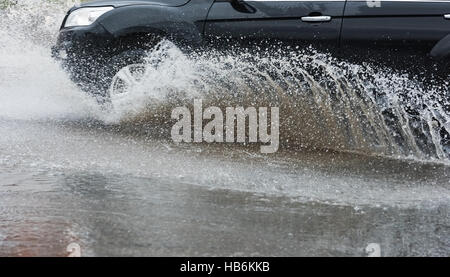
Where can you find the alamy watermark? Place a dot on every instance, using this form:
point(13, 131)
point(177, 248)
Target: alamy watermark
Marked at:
point(229, 126)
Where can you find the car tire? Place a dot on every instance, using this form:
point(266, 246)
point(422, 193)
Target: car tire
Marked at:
point(113, 67)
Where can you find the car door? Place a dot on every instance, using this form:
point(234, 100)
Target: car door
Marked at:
point(305, 22)
point(398, 32)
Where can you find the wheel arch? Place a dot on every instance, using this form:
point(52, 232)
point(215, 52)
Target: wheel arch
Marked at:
point(142, 20)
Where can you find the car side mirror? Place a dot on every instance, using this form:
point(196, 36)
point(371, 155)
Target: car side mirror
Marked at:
point(242, 6)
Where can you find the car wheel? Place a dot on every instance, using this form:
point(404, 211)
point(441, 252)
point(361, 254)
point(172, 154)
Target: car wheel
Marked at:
point(123, 72)
point(124, 82)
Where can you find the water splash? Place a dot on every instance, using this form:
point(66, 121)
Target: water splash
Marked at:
point(32, 84)
point(325, 103)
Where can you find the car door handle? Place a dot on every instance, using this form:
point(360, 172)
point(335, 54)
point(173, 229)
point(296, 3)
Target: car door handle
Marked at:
point(447, 16)
point(320, 18)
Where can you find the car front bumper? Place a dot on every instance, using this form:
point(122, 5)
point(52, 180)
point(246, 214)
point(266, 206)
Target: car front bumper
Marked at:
point(83, 52)
point(77, 42)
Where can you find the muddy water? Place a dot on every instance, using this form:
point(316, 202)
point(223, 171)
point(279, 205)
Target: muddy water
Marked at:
point(360, 163)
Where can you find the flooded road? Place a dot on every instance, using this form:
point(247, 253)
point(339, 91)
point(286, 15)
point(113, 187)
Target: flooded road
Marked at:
point(118, 195)
point(364, 158)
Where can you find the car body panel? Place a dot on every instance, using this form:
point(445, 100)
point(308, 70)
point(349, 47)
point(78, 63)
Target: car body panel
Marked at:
point(396, 33)
point(412, 26)
point(180, 25)
point(281, 20)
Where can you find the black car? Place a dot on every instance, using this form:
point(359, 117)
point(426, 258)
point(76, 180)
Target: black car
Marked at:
point(103, 43)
